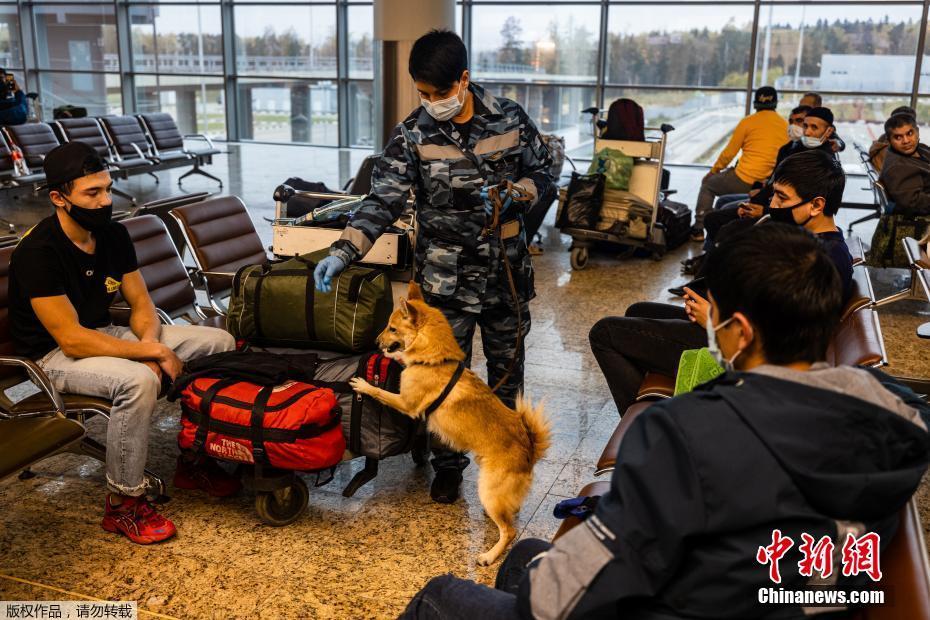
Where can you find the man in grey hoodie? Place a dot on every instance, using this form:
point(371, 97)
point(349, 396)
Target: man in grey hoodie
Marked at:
point(781, 442)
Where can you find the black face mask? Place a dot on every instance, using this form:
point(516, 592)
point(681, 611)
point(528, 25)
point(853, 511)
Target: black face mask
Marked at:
point(91, 220)
point(785, 215)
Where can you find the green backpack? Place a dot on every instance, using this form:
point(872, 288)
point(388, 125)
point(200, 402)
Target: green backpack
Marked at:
point(615, 166)
point(695, 367)
point(276, 304)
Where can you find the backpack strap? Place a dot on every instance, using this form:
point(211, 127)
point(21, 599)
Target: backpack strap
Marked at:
point(446, 390)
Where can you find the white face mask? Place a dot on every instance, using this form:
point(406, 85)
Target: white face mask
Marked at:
point(712, 347)
point(811, 142)
point(444, 109)
point(795, 132)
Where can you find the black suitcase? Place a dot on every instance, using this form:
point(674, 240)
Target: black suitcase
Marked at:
point(675, 218)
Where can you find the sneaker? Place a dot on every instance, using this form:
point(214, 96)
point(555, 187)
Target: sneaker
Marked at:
point(137, 520)
point(535, 250)
point(205, 474)
point(697, 235)
point(445, 487)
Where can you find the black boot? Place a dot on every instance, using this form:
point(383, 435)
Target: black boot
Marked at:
point(445, 487)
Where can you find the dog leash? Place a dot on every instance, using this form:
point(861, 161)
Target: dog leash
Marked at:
point(494, 196)
point(446, 390)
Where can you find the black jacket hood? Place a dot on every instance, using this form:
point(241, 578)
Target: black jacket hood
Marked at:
point(851, 459)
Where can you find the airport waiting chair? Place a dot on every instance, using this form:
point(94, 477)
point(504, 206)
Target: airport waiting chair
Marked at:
point(48, 404)
point(360, 184)
point(168, 143)
point(161, 209)
point(127, 137)
point(90, 131)
point(221, 238)
point(165, 275)
point(35, 140)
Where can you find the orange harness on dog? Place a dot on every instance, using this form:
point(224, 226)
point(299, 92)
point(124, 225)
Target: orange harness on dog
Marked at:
point(446, 390)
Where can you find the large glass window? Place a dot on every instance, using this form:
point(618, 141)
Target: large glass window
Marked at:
point(690, 45)
point(280, 110)
point(703, 120)
point(529, 43)
point(176, 39)
point(98, 92)
point(836, 47)
point(361, 41)
point(288, 40)
point(76, 37)
point(11, 52)
point(196, 103)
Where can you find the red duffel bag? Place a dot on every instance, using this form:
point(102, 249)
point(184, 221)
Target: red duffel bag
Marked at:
point(289, 426)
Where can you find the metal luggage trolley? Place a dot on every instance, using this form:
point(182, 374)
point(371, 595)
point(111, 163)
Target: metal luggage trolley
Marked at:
point(618, 209)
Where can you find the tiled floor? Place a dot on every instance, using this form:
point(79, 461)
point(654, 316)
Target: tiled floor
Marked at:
point(361, 557)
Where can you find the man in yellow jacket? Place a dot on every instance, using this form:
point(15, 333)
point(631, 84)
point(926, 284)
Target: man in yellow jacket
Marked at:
point(758, 136)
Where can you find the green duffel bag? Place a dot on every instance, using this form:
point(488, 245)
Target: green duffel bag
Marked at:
point(276, 304)
point(887, 249)
point(616, 167)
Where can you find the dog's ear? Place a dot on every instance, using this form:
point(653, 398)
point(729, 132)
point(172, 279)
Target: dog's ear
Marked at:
point(413, 291)
point(409, 311)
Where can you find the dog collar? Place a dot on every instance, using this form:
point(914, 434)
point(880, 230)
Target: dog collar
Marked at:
point(446, 390)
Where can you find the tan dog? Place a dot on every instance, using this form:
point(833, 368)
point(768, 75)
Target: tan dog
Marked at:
point(506, 442)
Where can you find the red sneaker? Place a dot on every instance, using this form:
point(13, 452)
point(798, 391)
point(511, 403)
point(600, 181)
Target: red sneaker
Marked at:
point(205, 474)
point(136, 519)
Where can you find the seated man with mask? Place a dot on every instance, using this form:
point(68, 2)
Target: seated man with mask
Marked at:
point(64, 275)
point(780, 442)
point(808, 190)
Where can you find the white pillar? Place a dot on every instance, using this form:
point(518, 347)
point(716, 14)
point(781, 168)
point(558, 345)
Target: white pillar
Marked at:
point(398, 23)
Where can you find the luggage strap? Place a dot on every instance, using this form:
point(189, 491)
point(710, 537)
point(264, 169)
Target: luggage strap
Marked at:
point(273, 435)
point(446, 390)
point(206, 401)
point(257, 422)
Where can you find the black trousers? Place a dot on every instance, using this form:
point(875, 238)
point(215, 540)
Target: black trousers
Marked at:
point(650, 338)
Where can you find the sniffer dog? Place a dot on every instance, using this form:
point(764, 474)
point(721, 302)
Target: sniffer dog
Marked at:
point(506, 443)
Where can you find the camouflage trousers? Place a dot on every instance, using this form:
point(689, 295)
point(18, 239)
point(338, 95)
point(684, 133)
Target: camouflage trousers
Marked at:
point(498, 325)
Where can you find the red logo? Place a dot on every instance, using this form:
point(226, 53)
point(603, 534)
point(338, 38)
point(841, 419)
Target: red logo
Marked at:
point(817, 557)
point(773, 553)
point(860, 555)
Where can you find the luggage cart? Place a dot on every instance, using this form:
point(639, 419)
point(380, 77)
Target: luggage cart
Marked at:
point(645, 191)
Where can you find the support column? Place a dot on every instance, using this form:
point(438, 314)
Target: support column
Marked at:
point(301, 113)
point(187, 109)
point(398, 23)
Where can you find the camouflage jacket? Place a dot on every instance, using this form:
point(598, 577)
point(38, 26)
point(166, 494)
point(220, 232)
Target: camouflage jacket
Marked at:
point(456, 264)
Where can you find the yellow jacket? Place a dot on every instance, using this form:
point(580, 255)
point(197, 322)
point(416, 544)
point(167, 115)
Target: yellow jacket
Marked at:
point(759, 136)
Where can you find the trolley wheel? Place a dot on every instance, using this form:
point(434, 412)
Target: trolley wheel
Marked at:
point(282, 506)
point(579, 258)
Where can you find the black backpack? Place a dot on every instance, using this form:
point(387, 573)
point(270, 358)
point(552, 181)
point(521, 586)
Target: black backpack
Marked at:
point(625, 121)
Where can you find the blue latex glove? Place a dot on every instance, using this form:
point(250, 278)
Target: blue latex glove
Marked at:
point(325, 271)
point(488, 207)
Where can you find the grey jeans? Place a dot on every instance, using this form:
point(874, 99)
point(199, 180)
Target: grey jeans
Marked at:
point(133, 388)
point(724, 182)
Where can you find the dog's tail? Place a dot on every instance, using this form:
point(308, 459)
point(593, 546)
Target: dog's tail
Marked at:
point(537, 427)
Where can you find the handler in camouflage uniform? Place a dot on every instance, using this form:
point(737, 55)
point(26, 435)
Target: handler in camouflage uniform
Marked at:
point(461, 140)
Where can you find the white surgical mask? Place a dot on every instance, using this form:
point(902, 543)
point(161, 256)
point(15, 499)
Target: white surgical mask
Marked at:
point(444, 109)
point(811, 142)
point(712, 347)
point(795, 132)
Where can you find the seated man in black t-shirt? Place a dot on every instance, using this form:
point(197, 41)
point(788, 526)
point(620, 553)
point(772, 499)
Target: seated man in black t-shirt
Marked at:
point(64, 275)
point(808, 190)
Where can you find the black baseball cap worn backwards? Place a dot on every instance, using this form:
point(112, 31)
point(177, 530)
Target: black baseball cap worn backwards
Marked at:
point(765, 98)
point(71, 161)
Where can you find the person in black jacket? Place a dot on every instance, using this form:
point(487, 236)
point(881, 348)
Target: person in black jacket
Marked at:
point(781, 441)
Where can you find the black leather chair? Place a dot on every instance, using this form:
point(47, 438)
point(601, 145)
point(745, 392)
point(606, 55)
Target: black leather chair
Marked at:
point(168, 143)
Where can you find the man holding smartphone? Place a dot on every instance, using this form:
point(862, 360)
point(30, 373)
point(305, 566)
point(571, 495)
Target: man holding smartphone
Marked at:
point(14, 108)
